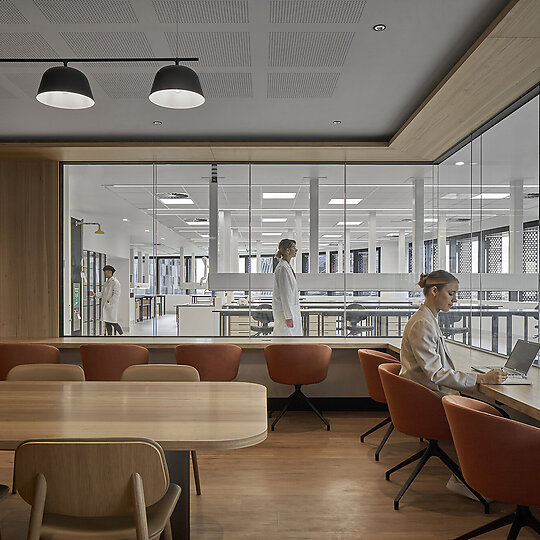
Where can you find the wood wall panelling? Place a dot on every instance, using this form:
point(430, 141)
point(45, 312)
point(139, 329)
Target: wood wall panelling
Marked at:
point(29, 249)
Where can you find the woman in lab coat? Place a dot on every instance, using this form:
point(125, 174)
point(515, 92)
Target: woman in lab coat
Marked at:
point(285, 298)
point(110, 296)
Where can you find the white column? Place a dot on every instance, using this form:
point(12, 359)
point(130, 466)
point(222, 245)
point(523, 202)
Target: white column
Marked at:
point(418, 226)
point(441, 241)
point(372, 243)
point(181, 280)
point(225, 237)
point(233, 266)
point(193, 273)
point(258, 254)
point(214, 230)
point(340, 257)
point(347, 254)
point(298, 238)
point(314, 225)
point(140, 266)
point(147, 268)
point(402, 253)
point(516, 227)
point(131, 267)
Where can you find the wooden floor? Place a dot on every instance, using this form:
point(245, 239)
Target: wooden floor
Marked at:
point(306, 483)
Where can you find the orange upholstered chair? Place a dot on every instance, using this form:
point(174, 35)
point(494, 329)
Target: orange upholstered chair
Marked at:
point(213, 361)
point(107, 362)
point(15, 354)
point(499, 458)
point(298, 364)
point(416, 410)
point(371, 360)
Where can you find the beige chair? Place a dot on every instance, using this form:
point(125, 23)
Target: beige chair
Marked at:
point(122, 492)
point(4, 490)
point(46, 372)
point(167, 372)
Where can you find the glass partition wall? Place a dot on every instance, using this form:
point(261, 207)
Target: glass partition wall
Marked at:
point(193, 244)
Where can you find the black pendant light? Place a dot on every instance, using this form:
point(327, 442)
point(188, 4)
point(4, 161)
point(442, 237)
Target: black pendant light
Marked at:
point(176, 87)
point(65, 88)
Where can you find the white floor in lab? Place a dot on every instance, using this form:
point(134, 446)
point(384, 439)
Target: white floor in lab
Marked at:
point(160, 326)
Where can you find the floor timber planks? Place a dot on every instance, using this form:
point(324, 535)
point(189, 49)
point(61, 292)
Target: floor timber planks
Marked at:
point(304, 483)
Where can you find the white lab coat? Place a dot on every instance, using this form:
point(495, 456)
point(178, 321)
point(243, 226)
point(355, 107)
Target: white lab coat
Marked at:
point(110, 296)
point(425, 358)
point(286, 301)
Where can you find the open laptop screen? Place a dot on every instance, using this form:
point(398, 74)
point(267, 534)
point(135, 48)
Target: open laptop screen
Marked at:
point(522, 356)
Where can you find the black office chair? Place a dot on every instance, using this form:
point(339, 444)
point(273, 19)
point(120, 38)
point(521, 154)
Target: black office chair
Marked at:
point(354, 320)
point(263, 318)
point(447, 320)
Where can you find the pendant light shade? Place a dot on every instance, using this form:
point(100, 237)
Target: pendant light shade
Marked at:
point(65, 88)
point(176, 87)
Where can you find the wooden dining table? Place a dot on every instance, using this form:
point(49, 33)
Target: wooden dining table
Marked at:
point(180, 416)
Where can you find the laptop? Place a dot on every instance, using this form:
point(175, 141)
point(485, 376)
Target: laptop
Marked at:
point(518, 364)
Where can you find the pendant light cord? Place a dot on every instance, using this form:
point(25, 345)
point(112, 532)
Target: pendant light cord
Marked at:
point(177, 37)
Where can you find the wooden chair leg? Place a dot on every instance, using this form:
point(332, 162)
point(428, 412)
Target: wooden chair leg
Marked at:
point(196, 471)
point(167, 532)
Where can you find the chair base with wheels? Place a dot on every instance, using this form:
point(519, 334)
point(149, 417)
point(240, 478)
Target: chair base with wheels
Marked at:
point(298, 394)
point(433, 449)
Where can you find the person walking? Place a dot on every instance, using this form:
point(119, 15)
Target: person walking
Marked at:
point(110, 296)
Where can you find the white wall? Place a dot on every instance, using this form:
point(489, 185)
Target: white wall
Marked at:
point(390, 265)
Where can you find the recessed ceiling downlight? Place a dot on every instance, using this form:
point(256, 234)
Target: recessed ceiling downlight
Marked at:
point(379, 27)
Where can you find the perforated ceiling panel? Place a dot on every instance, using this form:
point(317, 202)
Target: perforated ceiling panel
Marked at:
point(108, 44)
point(87, 12)
point(6, 94)
point(319, 12)
point(226, 85)
point(27, 82)
point(9, 14)
point(223, 49)
point(301, 85)
point(125, 85)
point(309, 49)
point(25, 45)
point(202, 11)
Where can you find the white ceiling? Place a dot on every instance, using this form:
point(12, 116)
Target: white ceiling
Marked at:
point(270, 69)
point(509, 151)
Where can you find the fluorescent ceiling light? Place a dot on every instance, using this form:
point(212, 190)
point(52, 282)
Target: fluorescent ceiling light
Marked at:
point(393, 234)
point(146, 230)
point(279, 195)
point(271, 234)
point(205, 235)
point(430, 220)
point(274, 219)
point(460, 163)
point(268, 243)
point(341, 223)
point(331, 235)
point(341, 201)
point(491, 196)
point(125, 219)
point(176, 201)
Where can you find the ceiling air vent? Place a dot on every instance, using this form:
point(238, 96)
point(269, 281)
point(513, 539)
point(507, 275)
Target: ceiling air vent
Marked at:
point(459, 219)
point(532, 196)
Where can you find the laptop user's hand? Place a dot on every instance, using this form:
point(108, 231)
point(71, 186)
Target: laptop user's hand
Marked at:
point(494, 376)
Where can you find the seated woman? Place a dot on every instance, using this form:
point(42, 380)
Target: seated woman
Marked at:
point(424, 356)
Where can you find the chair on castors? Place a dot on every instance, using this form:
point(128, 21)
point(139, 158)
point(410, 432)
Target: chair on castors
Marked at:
point(354, 320)
point(448, 320)
point(162, 373)
point(213, 361)
point(264, 316)
point(107, 362)
point(499, 458)
point(416, 410)
point(15, 354)
point(370, 360)
point(298, 364)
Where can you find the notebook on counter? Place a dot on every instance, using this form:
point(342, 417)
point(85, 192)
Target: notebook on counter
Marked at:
point(518, 364)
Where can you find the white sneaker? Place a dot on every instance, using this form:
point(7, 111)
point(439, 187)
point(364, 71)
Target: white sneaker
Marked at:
point(455, 485)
